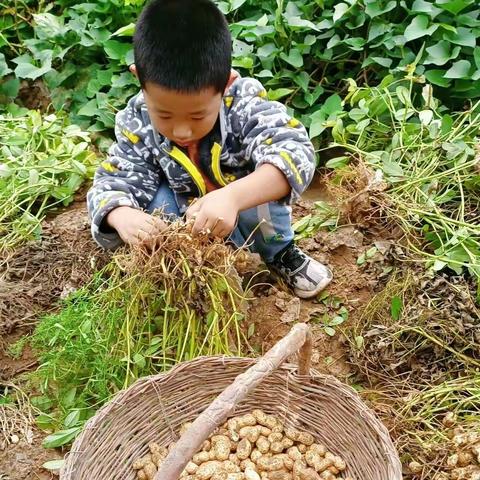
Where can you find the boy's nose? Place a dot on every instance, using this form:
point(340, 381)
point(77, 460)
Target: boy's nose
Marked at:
point(182, 132)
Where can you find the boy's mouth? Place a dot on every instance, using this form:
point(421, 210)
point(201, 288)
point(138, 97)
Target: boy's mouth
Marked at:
point(184, 144)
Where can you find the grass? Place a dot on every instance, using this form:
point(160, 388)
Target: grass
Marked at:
point(145, 312)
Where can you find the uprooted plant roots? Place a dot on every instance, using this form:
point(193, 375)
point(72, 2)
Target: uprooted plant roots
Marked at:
point(145, 311)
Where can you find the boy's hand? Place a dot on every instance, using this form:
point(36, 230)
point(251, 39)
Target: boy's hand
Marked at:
point(135, 226)
point(215, 214)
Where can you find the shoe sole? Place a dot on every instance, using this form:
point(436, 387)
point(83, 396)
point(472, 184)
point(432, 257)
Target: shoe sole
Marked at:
point(306, 294)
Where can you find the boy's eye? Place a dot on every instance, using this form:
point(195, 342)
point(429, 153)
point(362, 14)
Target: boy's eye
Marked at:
point(164, 118)
point(198, 118)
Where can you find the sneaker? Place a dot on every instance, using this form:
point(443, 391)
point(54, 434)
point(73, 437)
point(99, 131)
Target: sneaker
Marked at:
point(305, 275)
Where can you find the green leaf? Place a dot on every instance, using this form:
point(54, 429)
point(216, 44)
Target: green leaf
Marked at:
point(301, 23)
point(437, 77)
point(126, 31)
point(264, 74)
point(3, 66)
point(392, 169)
point(339, 10)
point(396, 307)
point(374, 8)
point(361, 259)
point(302, 80)
point(454, 6)
point(294, 58)
point(243, 62)
point(61, 437)
point(302, 224)
point(139, 360)
point(356, 43)
point(463, 36)
point(10, 88)
point(329, 110)
point(72, 419)
point(68, 398)
point(337, 162)
point(267, 50)
point(333, 104)
point(26, 69)
point(116, 50)
point(403, 94)
point(334, 41)
point(236, 4)
point(425, 116)
point(90, 109)
point(49, 26)
point(312, 97)
point(440, 54)
point(279, 93)
point(384, 62)
point(224, 7)
point(447, 124)
point(421, 6)
point(377, 28)
point(251, 330)
point(419, 28)
point(460, 69)
point(476, 57)
point(337, 320)
point(329, 331)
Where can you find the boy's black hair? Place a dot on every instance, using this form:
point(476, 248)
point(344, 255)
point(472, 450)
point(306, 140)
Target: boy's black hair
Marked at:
point(183, 45)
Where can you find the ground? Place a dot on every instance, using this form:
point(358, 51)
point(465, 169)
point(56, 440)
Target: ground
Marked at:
point(35, 277)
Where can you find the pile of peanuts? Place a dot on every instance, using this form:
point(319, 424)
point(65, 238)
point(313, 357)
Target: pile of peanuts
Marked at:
point(255, 446)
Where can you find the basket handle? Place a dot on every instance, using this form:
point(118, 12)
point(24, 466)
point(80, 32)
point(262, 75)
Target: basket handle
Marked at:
point(298, 339)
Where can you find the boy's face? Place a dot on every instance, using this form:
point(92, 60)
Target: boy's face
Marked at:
point(183, 118)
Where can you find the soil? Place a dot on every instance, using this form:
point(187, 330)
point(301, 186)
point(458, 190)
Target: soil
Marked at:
point(35, 278)
point(274, 310)
point(24, 460)
point(34, 95)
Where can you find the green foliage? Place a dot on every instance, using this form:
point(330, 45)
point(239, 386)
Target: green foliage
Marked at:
point(324, 216)
point(300, 50)
point(71, 48)
point(335, 313)
point(43, 162)
point(427, 158)
point(312, 46)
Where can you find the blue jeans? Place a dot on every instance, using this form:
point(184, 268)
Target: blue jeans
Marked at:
point(266, 238)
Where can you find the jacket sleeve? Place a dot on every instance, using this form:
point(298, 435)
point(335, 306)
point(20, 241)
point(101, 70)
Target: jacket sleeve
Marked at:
point(270, 135)
point(128, 177)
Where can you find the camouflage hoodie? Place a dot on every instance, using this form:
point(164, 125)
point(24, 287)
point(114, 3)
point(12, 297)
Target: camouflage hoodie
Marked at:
point(250, 131)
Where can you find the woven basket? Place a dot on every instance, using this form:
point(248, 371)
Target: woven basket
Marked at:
point(154, 408)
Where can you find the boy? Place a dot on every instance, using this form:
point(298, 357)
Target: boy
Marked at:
point(201, 141)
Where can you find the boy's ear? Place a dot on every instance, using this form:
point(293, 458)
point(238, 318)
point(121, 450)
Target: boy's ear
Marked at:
point(133, 69)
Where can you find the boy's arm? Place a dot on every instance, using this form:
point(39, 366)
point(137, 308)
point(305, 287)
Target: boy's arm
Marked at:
point(128, 178)
point(217, 212)
point(270, 136)
point(283, 156)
